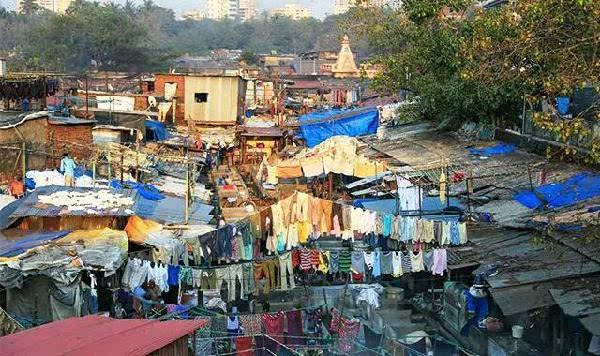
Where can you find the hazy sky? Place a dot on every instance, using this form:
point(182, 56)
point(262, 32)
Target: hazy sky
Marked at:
point(319, 7)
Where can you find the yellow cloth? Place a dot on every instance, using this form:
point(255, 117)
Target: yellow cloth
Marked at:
point(312, 166)
point(304, 228)
point(443, 187)
point(289, 169)
point(324, 267)
point(97, 237)
point(272, 175)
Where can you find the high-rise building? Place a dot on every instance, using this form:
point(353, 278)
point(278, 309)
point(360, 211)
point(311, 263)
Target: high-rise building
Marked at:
point(59, 6)
point(342, 6)
point(242, 10)
point(247, 10)
point(294, 11)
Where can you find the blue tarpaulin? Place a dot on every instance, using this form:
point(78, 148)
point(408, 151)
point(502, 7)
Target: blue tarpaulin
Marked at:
point(578, 188)
point(147, 191)
point(500, 149)
point(158, 129)
point(317, 127)
point(15, 248)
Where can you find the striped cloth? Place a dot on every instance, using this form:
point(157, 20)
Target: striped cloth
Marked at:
point(345, 261)
point(306, 259)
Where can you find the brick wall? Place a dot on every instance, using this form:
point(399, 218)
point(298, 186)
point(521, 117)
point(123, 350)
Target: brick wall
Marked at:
point(77, 139)
point(159, 87)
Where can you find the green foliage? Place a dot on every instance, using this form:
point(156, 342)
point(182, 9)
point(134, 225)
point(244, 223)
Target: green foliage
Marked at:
point(466, 63)
point(249, 58)
point(147, 37)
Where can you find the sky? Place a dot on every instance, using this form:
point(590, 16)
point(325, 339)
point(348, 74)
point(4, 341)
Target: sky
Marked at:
point(320, 8)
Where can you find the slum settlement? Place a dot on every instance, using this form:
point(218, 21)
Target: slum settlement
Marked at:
point(281, 209)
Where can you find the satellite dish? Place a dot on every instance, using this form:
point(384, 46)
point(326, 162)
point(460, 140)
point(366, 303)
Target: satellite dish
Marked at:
point(152, 102)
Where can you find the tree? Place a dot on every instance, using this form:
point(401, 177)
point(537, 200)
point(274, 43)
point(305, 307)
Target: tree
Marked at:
point(249, 57)
point(29, 7)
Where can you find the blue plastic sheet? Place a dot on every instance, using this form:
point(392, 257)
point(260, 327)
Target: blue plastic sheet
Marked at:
point(562, 104)
point(500, 149)
point(319, 126)
point(29, 184)
point(578, 188)
point(31, 241)
point(158, 129)
point(146, 191)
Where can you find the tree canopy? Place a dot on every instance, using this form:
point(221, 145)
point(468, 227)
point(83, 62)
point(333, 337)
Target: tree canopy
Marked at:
point(146, 37)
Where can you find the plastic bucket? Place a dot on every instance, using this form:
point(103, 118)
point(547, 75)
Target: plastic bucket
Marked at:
point(517, 331)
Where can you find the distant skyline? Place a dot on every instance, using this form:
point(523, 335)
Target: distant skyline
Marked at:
point(320, 8)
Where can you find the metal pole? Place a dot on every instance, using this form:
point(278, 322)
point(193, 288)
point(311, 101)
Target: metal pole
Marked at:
point(93, 173)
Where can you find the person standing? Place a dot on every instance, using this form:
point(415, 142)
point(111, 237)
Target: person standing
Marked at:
point(67, 166)
point(16, 188)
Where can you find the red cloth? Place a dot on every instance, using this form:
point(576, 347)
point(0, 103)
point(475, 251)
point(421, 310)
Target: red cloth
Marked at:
point(243, 346)
point(274, 325)
point(357, 277)
point(228, 187)
point(296, 258)
point(294, 324)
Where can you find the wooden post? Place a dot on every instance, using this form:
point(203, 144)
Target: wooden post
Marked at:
point(24, 162)
point(122, 166)
point(187, 193)
point(137, 163)
point(87, 114)
point(330, 185)
point(174, 109)
point(530, 177)
point(109, 173)
point(447, 187)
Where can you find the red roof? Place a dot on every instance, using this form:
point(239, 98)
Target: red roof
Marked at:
point(306, 84)
point(96, 335)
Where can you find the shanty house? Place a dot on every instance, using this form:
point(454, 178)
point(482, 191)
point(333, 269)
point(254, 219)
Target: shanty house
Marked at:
point(45, 138)
point(203, 99)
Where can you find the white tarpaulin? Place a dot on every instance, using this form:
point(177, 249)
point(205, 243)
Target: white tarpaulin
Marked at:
point(116, 103)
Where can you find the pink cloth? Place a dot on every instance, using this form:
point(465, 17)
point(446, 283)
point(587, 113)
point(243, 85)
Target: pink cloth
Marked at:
point(440, 261)
point(337, 231)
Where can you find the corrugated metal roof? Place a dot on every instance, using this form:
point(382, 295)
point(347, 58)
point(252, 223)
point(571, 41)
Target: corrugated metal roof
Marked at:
point(95, 335)
point(31, 206)
point(580, 299)
point(519, 299)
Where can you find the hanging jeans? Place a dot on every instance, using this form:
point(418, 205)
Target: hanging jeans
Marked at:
point(265, 269)
point(248, 278)
point(285, 267)
point(230, 275)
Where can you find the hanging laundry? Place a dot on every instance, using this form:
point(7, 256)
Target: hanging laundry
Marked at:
point(440, 262)
point(358, 262)
point(387, 264)
point(274, 325)
point(397, 263)
point(454, 233)
point(443, 188)
point(416, 261)
point(294, 328)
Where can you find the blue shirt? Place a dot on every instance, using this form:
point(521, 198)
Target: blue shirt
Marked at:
point(67, 166)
